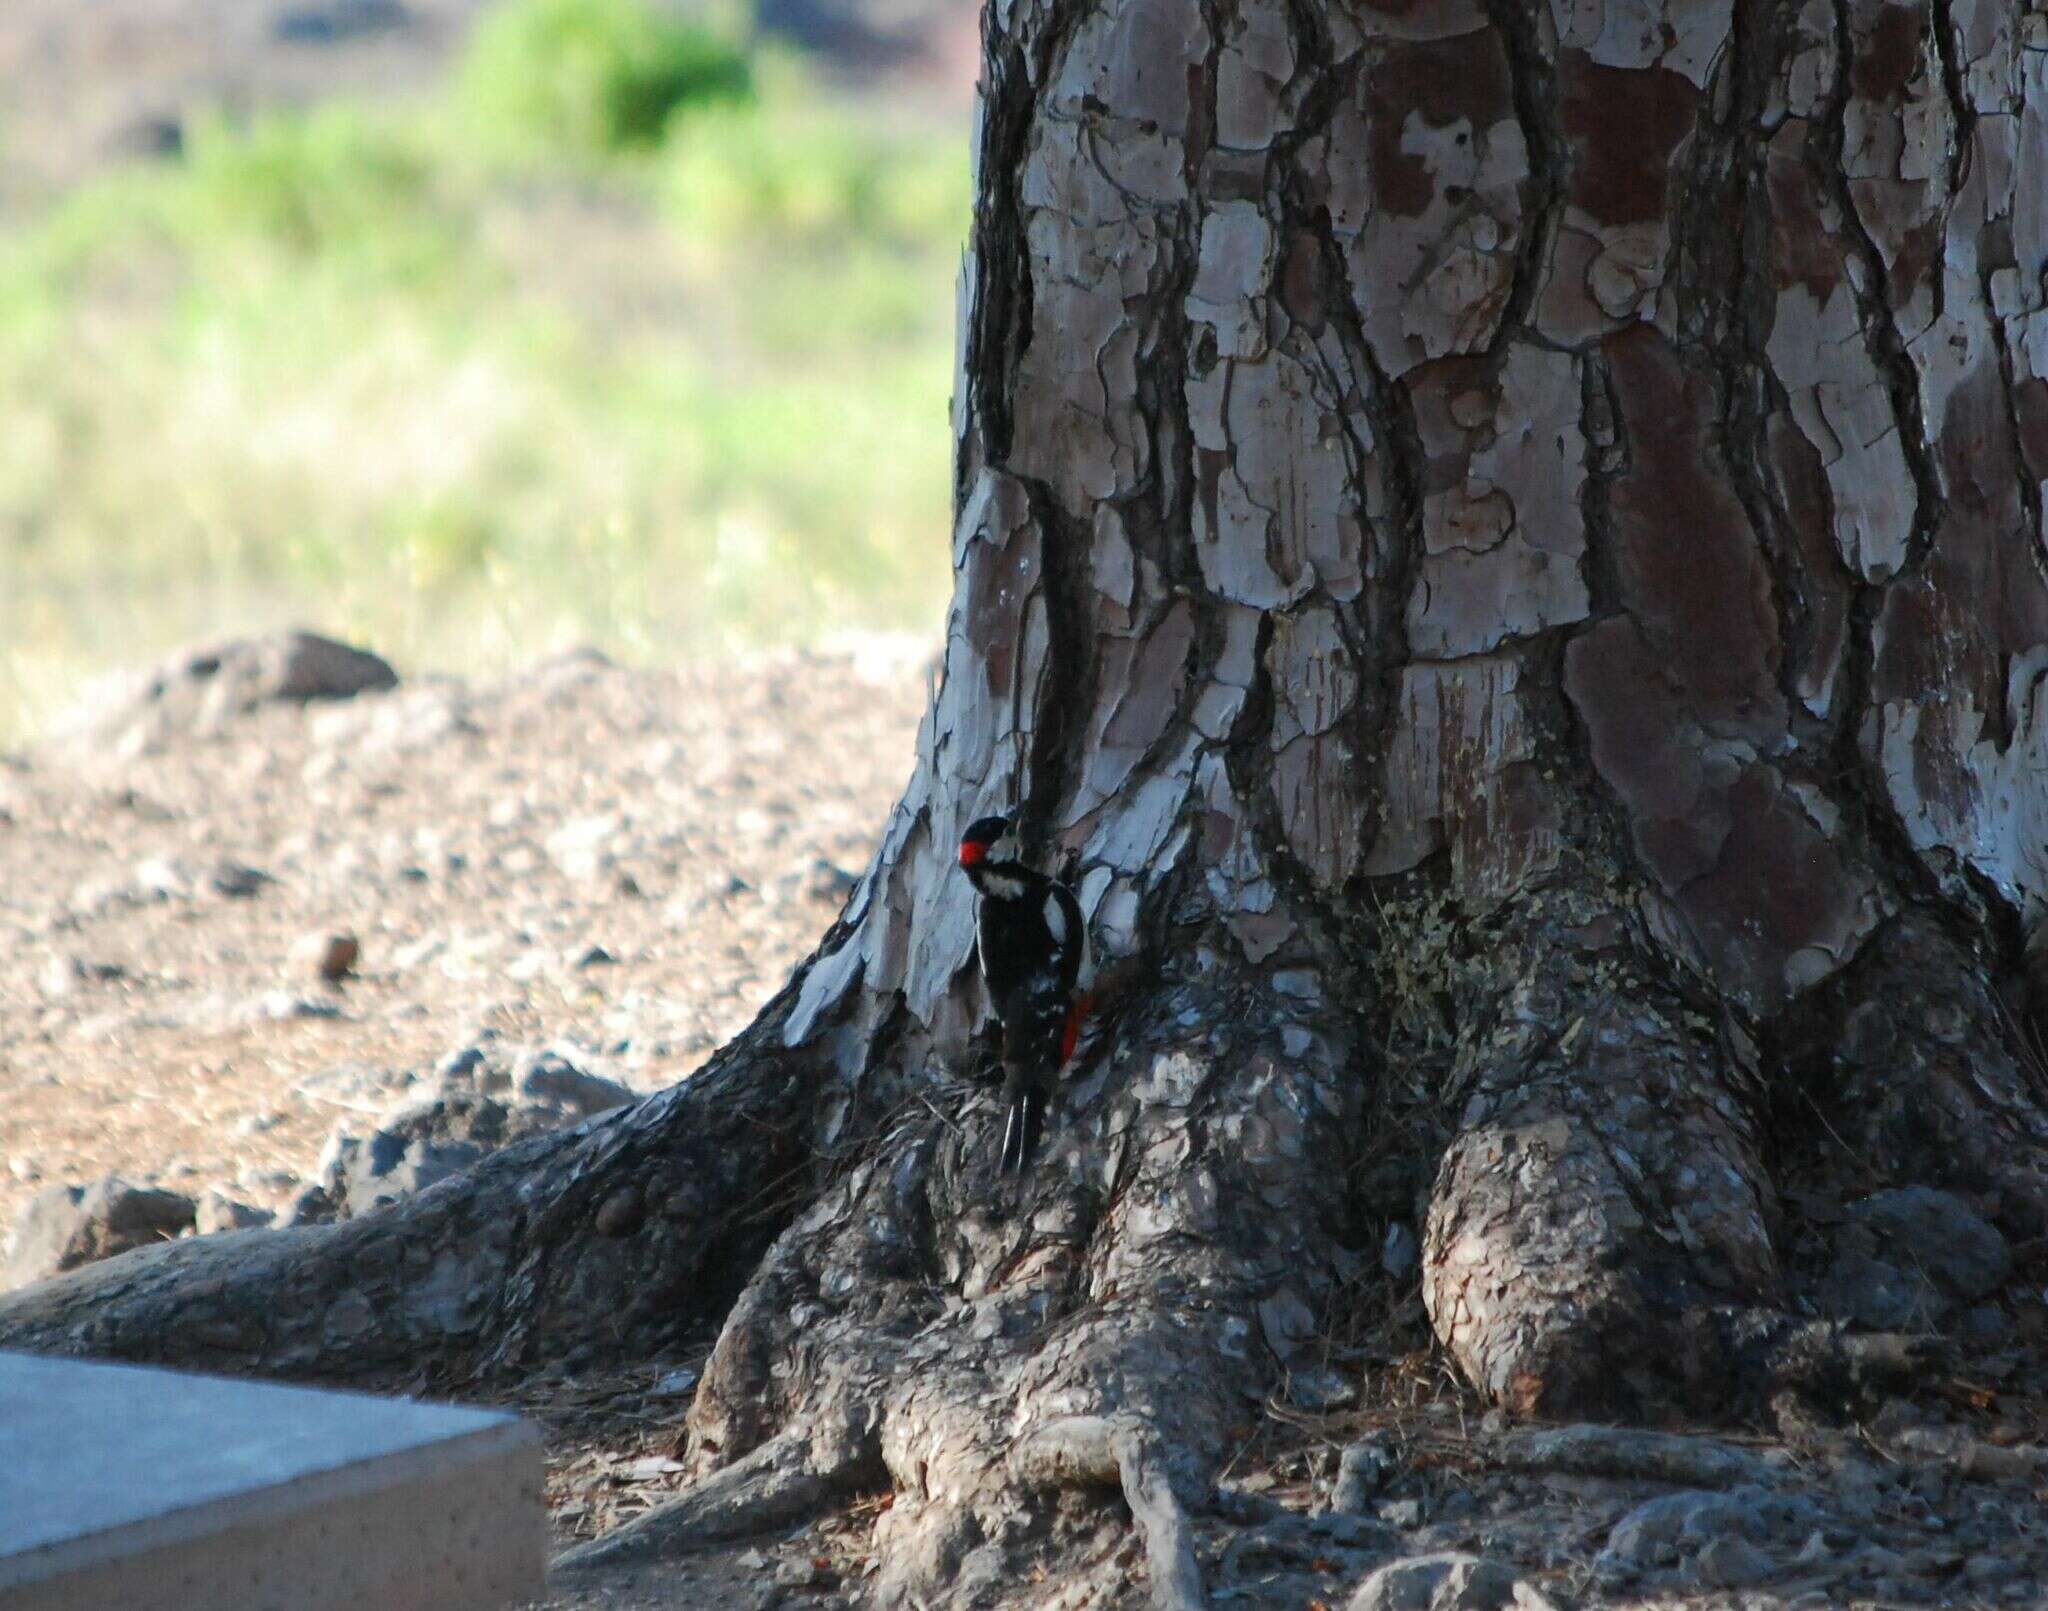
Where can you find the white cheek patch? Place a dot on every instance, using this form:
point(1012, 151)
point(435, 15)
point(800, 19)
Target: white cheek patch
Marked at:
point(1007, 889)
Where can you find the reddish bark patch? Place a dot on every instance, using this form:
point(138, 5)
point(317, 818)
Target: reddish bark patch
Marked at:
point(1802, 250)
point(2030, 406)
point(1888, 57)
point(1303, 292)
point(1690, 568)
point(1625, 125)
point(1442, 81)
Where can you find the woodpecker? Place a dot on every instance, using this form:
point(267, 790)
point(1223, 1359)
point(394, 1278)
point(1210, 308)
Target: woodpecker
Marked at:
point(1033, 950)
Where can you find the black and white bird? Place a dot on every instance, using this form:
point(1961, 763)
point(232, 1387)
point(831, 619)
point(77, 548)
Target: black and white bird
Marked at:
point(1033, 949)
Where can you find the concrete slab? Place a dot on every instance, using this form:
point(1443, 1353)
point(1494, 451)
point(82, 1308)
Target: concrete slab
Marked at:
point(125, 1489)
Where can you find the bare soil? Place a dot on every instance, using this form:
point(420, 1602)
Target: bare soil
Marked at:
point(631, 861)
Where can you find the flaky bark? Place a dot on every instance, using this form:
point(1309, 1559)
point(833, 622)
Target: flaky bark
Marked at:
point(1501, 548)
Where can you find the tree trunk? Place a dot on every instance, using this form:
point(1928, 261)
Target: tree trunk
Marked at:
point(1501, 547)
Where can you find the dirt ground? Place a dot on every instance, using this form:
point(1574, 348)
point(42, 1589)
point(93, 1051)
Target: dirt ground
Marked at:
point(628, 861)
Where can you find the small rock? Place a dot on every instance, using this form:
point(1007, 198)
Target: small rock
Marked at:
point(1400, 1253)
point(586, 847)
point(1448, 1582)
point(651, 1468)
point(330, 956)
point(236, 882)
point(64, 1227)
point(591, 956)
point(1402, 1512)
point(165, 878)
point(281, 1007)
point(805, 1574)
point(1732, 1563)
point(219, 1212)
point(678, 1383)
point(255, 1124)
point(1287, 1322)
point(830, 882)
point(1362, 1472)
point(549, 1079)
point(309, 1206)
point(63, 976)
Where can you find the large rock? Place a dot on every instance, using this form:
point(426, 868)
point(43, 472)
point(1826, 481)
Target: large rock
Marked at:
point(1448, 1582)
point(1907, 1258)
point(468, 1109)
point(1937, 1234)
point(1670, 1534)
point(66, 1226)
point(199, 691)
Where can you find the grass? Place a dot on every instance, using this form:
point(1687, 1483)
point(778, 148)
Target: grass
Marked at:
point(468, 398)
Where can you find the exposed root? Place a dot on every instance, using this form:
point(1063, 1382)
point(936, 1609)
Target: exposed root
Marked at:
point(1083, 1449)
point(1005, 1345)
point(603, 1241)
point(786, 1481)
point(1607, 1186)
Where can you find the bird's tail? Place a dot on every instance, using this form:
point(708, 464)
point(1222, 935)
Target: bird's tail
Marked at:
point(1020, 1134)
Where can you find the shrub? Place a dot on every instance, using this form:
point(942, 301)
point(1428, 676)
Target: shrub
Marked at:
point(808, 168)
point(594, 77)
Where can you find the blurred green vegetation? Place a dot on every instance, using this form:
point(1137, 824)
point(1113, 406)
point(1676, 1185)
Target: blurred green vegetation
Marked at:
point(653, 351)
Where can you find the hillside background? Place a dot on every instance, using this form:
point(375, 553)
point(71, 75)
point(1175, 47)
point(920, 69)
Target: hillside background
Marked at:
point(473, 330)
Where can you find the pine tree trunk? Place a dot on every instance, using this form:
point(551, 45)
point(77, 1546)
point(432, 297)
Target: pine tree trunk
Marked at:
point(1502, 546)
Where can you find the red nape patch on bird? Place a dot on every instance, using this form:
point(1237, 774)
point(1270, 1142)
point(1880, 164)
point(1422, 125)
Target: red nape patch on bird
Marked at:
point(1070, 1037)
point(972, 853)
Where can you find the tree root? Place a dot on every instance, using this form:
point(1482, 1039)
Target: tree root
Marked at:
point(786, 1481)
point(1607, 1186)
point(1093, 1449)
point(608, 1240)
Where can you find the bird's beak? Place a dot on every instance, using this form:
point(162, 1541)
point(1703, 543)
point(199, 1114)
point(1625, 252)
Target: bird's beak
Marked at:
point(971, 853)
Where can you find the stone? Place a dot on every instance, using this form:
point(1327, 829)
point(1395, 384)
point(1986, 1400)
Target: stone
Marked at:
point(328, 955)
point(63, 976)
point(549, 1079)
point(200, 691)
point(1400, 1252)
point(310, 1205)
point(1362, 1472)
point(1402, 1512)
point(217, 1211)
point(586, 848)
point(1452, 1581)
point(1672, 1530)
point(1938, 1235)
point(128, 1487)
point(1732, 1563)
point(236, 882)
point(64, 1227)
point(447, 1124)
